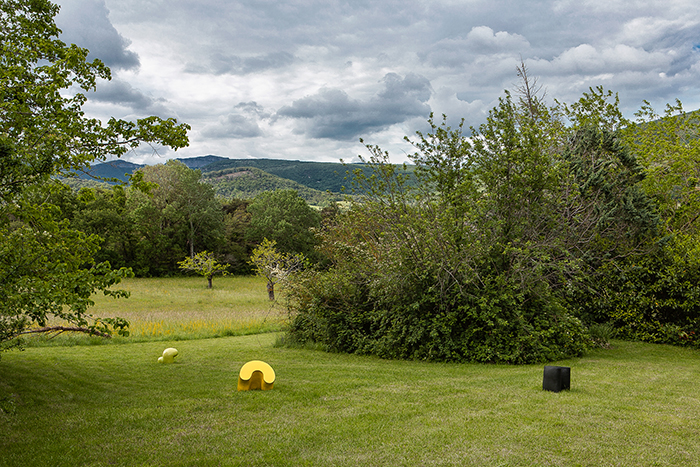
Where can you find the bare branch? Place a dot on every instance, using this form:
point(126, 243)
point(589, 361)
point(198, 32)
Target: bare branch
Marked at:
point(59, 329)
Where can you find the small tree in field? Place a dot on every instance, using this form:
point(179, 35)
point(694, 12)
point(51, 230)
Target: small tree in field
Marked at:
point(274, 265)
point(203, 264)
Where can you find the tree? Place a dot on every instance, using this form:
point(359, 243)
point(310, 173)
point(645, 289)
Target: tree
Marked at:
point(41, 115)
point(47, 268)
point(184, 199)
point(275, 266)
point(478, 261)
point(237, 249)
point(668, 147)
point(103, 212)
point(204, 264)
point(284, 217)
point(176, 215)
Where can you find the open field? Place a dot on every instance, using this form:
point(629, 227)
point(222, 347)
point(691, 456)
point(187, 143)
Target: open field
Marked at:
point(184, 308)
point(632, 405)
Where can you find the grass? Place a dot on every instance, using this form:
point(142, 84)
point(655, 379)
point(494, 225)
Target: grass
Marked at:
point(634, 404)
point(184, 308)
point(113, 405)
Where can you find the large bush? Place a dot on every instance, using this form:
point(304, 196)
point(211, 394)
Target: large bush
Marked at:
point(476, 262)
point(498, 325)
point(653, 297)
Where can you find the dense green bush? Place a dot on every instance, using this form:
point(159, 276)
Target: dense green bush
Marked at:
point(477, 260)
point(653, 297)
point(500, 324)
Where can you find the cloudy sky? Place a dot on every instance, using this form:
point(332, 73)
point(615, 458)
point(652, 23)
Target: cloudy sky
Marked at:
point(306, 79)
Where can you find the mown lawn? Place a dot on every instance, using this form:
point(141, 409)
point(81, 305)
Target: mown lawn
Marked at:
point(632, 405)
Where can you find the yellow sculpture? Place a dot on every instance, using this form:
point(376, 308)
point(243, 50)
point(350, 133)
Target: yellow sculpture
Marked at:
point(256, 375)
point(169, 355)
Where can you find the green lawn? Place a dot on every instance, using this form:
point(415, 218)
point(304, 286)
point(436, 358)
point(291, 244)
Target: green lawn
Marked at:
point(632, 405)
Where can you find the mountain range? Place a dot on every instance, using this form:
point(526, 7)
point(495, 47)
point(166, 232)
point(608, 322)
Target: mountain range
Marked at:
point(317, 182)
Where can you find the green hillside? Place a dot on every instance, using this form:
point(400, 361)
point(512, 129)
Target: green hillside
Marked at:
point(245, 178)
point(248, 182)
point(322, 176)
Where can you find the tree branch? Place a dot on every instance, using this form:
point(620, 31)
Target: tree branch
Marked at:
point(61, 329)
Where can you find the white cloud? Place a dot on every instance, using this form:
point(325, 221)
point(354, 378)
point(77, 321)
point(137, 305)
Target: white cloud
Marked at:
point(483, 40)
point(306, 79)
point(589, 60)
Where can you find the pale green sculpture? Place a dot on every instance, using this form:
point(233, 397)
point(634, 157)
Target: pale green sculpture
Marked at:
point(169, 355)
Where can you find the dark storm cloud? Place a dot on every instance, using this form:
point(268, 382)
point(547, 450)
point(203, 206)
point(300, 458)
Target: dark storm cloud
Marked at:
point(86, 24)
point(121, 93)
point(333, 114)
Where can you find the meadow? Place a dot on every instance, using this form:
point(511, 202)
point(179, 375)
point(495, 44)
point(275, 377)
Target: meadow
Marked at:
point(184, 308)
point(112, 405)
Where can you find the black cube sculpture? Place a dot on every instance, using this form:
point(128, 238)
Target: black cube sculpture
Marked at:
point(556, 378)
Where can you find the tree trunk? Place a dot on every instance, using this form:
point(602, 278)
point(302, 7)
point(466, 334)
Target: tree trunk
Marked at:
point(191, 241)
point(209, 278)
point(271, 290)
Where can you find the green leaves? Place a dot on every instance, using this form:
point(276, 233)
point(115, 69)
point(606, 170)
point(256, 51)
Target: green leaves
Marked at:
point(285, 218)
point(47, 270)
point(204, 264)
point(668, 147)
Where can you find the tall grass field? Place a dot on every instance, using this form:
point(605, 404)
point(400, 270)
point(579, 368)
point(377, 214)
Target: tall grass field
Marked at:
point(113, 405)
point(184, 308)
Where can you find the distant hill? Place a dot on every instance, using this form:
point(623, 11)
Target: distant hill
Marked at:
point(248, 182)
point(201, 161)
point(245, 178)
point(111, 169)
point(322, 176)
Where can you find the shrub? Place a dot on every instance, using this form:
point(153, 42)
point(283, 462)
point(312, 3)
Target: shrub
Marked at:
point(499, 325)
point(653, 298)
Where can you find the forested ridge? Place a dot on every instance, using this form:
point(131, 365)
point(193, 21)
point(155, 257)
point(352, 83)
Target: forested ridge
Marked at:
point(319, 183)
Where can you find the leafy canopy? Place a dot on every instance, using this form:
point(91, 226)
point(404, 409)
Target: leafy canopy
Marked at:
point(478, 260)
point(204, 264)
point(283, 216)
point(47, 270)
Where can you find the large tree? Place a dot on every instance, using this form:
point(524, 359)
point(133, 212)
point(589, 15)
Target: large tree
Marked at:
point(649, 294)
point(284, 217)
point(477, 262)
point(47, 270)
point(176, 214)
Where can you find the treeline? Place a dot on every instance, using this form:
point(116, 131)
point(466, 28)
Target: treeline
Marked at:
point(167, 212)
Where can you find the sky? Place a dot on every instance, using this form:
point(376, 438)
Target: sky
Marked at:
point(307, 79)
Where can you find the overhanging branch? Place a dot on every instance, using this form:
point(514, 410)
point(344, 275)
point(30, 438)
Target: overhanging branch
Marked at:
point(60, 329)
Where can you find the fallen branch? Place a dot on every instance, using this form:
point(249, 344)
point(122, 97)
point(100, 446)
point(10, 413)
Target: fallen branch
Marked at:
point(60, 329)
